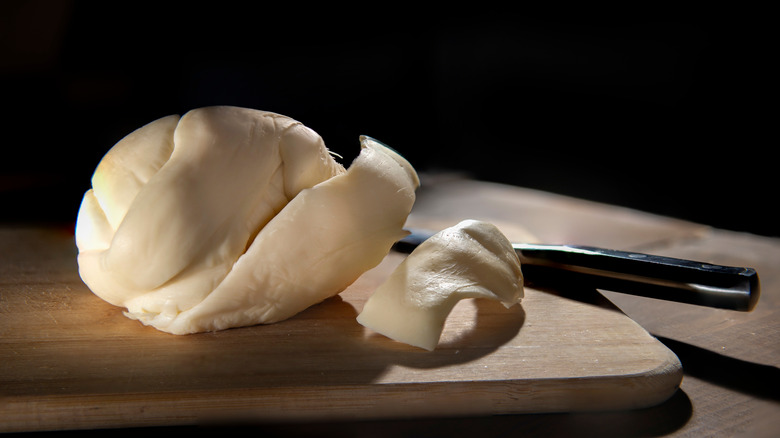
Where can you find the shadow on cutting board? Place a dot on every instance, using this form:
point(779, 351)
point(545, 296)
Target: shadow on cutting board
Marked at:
point(494, 326)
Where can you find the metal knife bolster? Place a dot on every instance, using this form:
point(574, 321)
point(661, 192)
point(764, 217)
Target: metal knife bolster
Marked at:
point(646, 275)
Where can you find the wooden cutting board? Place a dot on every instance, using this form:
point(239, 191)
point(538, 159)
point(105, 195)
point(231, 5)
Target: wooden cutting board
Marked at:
point(71, 361)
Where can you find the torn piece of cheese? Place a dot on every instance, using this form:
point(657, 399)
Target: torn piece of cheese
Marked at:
point(472, 259)
point(229, 217)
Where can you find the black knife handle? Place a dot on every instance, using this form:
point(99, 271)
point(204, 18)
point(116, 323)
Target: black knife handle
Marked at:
point(646, 275)
point(633, 273)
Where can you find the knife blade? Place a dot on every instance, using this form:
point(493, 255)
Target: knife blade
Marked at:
point(645, 275)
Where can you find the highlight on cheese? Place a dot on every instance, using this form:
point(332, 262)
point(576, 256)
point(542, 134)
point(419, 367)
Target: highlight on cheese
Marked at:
point(227, 217)
point(472, 259)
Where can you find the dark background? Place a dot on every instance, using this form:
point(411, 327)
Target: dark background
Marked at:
point(652, 108)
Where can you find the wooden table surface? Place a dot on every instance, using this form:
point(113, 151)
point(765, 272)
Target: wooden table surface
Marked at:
point(730, 359)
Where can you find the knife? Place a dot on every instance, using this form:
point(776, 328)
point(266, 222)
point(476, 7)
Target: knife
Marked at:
point(646, 275)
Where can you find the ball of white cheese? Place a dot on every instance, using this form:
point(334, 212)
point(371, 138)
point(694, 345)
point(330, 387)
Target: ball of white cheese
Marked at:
point(228, 217)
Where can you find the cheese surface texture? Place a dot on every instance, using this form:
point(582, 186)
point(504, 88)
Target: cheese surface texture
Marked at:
point(472, 259)
point(227, 217)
